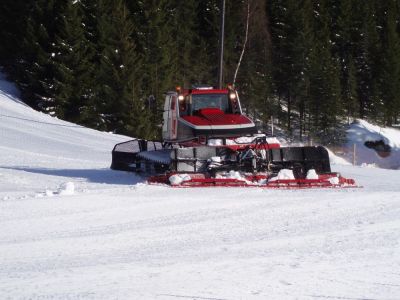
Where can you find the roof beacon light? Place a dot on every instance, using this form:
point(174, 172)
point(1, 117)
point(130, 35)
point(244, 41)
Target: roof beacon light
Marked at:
point(204, 88)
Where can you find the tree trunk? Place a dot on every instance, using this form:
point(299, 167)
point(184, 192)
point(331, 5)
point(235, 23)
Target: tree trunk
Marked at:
point(289, 111)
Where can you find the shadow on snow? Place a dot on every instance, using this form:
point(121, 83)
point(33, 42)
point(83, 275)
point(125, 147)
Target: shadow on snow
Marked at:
point(106, 176)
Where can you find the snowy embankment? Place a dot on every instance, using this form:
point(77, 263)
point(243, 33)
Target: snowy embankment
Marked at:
point(375, 145)
point(73, 229)
point(39, 153)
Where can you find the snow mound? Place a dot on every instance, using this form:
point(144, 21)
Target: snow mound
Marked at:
point(312, 174)
point(375, 145)
point(283, 174)
point(177, 179)
point(334, 180)
point(67, 188)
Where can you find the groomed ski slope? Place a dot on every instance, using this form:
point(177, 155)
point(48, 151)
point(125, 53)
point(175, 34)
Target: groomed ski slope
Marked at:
point(73, 229)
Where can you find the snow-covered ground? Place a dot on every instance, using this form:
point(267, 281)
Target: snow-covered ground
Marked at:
point(71, 228)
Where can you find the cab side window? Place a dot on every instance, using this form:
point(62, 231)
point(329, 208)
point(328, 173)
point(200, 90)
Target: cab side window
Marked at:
point(183, 106)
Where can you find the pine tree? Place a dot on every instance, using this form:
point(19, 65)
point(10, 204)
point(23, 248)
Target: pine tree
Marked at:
point(208, 16)
point(158, 45)
point(12, 29)
point(74, 68)
point(349, 89)
point(304, 43)
point(391, 67)
point(365, 53)
point(254, 76)
point(343, 48)
point(120, 74)
point(283, 28)
point(98, 62)
point(188, 59)
point(34, 68)
point(325, 80)
point(292, 36)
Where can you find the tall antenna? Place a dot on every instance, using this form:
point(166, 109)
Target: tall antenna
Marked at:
point(221, 45)
point(245, 42)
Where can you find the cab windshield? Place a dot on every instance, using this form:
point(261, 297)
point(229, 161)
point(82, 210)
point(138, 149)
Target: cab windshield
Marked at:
point(220, 101)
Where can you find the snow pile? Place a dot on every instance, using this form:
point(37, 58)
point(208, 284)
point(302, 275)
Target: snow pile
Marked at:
point(375, 145)
point(312, 174)
point(283, 175)
point(177, 179)
point(67, 188)
point(232, 174)
point(235, 175)
point(334, 180)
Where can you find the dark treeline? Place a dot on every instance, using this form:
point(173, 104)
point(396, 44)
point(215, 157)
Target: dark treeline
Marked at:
point(311, 64)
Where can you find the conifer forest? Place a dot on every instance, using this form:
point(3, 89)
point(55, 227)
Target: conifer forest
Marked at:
point(312, 66)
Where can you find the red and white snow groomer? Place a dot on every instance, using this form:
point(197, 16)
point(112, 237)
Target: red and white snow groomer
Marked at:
point(208, 141)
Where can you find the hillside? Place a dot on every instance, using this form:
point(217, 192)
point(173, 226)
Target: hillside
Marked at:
point(73, 229)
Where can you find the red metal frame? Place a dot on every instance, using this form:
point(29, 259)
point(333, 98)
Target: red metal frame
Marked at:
point(199, 180)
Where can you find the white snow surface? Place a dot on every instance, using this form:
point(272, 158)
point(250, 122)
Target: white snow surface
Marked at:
point(110, 236)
